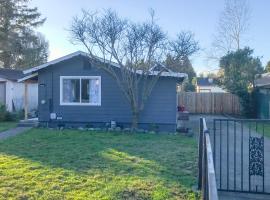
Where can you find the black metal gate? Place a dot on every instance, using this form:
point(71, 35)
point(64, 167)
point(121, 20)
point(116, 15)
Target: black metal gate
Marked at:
point(241, 152)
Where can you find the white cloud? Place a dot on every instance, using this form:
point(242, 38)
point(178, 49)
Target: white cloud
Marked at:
point(56, 53)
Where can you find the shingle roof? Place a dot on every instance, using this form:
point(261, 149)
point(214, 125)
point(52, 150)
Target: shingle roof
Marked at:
point(11, 74)
point(80, 53)
point(264, 80)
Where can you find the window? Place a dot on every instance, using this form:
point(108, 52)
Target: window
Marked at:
point(80, 90)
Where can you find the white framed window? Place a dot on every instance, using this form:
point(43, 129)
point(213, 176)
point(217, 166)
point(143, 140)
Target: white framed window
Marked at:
point(80, 90)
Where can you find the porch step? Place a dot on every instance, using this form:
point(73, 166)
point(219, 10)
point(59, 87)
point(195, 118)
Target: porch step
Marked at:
point(28, 123)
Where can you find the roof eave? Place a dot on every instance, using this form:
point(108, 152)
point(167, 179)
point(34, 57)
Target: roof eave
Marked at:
point(77, 53)
point(27, 77)
point(34, 69)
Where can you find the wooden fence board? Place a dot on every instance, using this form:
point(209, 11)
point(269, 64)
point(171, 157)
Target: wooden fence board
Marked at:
point(210, 103)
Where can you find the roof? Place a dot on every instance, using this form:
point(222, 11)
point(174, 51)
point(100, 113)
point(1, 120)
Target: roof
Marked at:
point(263, 80)
point(11, 74)
point(205, 82)
point(28, 76)
point(158, 67)
point(167, 73)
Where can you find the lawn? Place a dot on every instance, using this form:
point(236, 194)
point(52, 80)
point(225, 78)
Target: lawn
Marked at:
point(7, 125)
point(262, 128)
point(71, 164)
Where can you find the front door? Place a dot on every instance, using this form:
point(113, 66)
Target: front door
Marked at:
point(44, 103)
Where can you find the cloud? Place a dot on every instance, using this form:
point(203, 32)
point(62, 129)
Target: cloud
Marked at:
point(56, 53)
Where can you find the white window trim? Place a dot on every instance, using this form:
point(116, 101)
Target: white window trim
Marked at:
point(75, 103)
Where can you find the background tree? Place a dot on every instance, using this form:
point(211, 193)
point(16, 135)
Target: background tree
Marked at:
point(267, 67)
point(181, 49)
point(184, 66)
point(184, 45)
point(232, 28)
point(34, 48)
point(17, 36)
point(239, 71)
point(135, 47)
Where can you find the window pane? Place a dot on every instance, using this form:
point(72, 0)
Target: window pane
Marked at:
point(71, 90)
point(94, 91)
point(85, 90)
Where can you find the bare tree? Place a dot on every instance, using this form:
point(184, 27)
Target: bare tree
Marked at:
point(134, 47)
point(232, 27)
point(184, 45)
point(178, 59)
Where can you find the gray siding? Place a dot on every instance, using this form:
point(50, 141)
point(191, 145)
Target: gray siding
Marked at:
point(262, 103)
point(160, 108)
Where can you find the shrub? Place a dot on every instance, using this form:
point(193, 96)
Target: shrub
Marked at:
point(20, 114)
point(10, 116)
point(3, 111)
point(6, 115)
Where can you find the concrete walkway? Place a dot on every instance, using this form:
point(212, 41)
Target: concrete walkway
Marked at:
point(13, 132)
point(241, 196)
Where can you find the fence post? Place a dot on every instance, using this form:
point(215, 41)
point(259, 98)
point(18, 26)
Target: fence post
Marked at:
point(205, 192)
point(200, 149)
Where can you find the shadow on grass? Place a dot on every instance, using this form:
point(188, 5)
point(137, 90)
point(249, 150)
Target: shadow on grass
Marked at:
point(167, 158)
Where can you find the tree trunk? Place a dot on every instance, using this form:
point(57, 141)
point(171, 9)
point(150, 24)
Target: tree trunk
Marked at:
point(135, 120)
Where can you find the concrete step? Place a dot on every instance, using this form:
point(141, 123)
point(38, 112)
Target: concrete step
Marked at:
point(28, 123)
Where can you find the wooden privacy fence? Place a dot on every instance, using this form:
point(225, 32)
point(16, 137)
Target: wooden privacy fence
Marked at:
point(209, 103)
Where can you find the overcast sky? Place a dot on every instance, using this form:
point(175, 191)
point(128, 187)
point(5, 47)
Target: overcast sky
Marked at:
point(198, 16)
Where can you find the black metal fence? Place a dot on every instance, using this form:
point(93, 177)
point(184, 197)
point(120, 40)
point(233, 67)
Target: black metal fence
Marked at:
point(206, 178)
point(239, 149)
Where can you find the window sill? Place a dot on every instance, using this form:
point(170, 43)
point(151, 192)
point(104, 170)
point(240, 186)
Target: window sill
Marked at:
point(79, 104)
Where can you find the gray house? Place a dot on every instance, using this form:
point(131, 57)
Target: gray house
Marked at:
point(71, 92)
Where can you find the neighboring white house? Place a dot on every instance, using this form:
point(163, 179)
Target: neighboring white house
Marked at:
point(207, 85)
point(12, 92)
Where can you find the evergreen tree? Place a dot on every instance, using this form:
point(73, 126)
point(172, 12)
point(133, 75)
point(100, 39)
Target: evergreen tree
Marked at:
point(182, 65)
point(239, 73)
point(18, 41)
point(267, 68)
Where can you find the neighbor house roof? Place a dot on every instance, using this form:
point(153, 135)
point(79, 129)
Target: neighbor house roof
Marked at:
point(11, 74)
point(167, 73)
point(204, 81)
point(263, 80)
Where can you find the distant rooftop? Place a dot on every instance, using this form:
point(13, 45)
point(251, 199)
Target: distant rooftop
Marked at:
point(204, 81)
point(263, 80)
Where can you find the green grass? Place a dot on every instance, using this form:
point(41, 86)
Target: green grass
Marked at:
point(47, 164)
point(262, 128)
point(7, 125)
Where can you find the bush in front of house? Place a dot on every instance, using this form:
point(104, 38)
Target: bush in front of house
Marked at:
point(5, 115)
point(3, 112)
